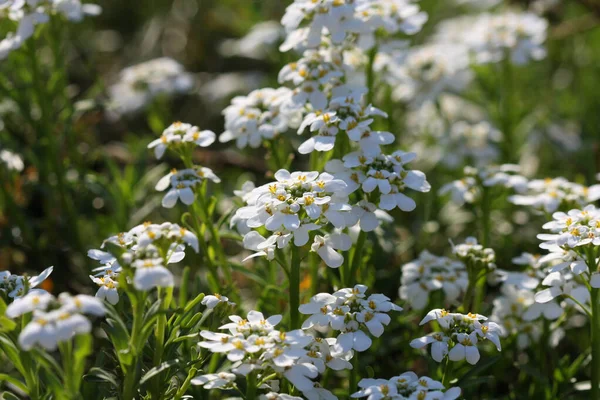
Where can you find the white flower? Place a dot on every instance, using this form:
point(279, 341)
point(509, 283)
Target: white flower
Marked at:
point(107, 289)
point(34, 300)
point(465, 348)
point(439, 345)
point(327, 248)
point(13, 161)
point(459, 337)
point(259, 116)
point(151, 273)
point(139, 84)
point(490, 37)
point(211, 301)
point(82, 304)
point(182, 184)
point(214, 381)
point(405, 386)
point(181, 133)
point(549, 194)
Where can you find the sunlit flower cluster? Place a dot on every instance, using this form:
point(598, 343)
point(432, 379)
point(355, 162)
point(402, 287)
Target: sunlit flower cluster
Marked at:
point(54, 320)
point(180, 135)
point(255, 346)
point(183, 184)
point(430, 273)
point(352, 313)
point(147, 249)
point(295, 205)
point(405, 386)
point(421, 73)
point(551, 194)
point(517, 36)
point(382, 179)
point(469, 189)
point(459, 335)
point(261, 115)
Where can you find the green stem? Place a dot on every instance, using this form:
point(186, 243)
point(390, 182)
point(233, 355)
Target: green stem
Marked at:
point(370, 74)
point(67, 361)
point(354, 376)
point(466, 305)
point(251, 386)
point(447, 373)
point(135, 348)
point(159, 334)
point(595, 327)
point(294, 288)
point(214, 234)
point(357, 257)
point(186, 384)
point(214, 282)
point(595, 324)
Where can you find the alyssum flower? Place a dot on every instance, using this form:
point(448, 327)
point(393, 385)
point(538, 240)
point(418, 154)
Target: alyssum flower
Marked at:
point(178, 136)
point(292, 207)
point(459, 335)
point(352, 313)
point(54, 320)
point(256, 347)
point(147, 249)
point(405, 386)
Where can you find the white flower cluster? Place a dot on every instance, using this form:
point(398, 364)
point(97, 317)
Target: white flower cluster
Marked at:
point(16, 286)
point(139, 84)
point(452, 132)
point(430, 273)
point(12, 161)
point(261, 115)
point(255, 346)
point(468, 189)
point(572, 235)
point(308, 22)
point(180, 135)
point(147, 248)
point(182, 184)
point(293, 206)
point(382, 179)
point(472, 253)
point(54, 320)
point(352, 313)
point(406, 386)
point(314, 77)
point(520, 36)
point(516, 309)
point(29, 13)
point(459, 336)
point(551, 194)
point(345, 113)
point(420, 74)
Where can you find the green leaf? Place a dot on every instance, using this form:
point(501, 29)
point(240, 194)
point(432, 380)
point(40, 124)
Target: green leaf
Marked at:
point(14, 381)
point(6, 324)
point(9, 396)
point(157, 370)
point(101, 375)
point(185, 337)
